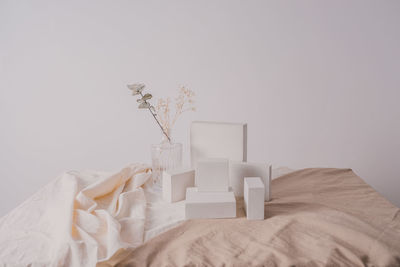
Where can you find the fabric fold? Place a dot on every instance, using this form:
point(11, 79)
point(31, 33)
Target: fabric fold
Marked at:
point(81, 218)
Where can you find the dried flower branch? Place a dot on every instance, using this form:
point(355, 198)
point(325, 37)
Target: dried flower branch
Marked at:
point(184, 102)
point(137, 89)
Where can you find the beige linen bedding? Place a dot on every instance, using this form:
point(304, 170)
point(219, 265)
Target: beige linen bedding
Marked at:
point(317, 217)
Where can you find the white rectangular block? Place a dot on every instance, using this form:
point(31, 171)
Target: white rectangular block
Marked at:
point(207, 205)
point(218, 140)
point(239, 170)
point(254, 198)
point(212, 175)
point(175, 183)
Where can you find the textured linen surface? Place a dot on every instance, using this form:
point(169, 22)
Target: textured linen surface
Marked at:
point(317, 217)
point(82, 218)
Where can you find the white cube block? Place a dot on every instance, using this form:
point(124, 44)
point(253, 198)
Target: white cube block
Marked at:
point(203, 205)
point(212, 175)
point(218, 140)
point(254, 198)
point(175, 183)
point(239, 170)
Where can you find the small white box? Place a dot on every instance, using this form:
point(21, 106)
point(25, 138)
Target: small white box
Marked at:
point(254, 198)
point(175, 183)
point(212, 175)
point(218, 140)
point(239, 170)
point(207, 205)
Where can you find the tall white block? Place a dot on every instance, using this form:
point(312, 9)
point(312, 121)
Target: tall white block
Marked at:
point(175, 183)
point(212, 175)
point(203, 205)
point(218, 140)
point(239, 170)
point(254, 198)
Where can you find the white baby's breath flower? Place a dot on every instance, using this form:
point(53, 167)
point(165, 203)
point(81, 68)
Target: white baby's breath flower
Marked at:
point(183, 102)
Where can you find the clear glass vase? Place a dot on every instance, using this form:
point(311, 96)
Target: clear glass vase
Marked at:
point(165, 156)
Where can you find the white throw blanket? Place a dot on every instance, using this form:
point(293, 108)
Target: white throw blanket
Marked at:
point(79, 219)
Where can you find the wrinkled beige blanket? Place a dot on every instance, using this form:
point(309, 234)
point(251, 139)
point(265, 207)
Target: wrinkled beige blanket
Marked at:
point(317, 217)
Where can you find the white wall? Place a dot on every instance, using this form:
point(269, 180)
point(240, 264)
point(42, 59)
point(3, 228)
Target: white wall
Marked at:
point(317, 82)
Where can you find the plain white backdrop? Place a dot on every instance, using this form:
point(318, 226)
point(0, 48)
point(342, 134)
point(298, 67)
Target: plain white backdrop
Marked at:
point(316, 81)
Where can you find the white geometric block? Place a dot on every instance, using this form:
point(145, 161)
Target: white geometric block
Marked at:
point(207, 205)
point(254, 198)
point(175, 183)
point(239, 170)
point(218, 140)
point(212, 175)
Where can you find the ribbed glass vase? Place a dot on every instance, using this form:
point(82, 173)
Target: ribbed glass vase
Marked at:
point(165, 156)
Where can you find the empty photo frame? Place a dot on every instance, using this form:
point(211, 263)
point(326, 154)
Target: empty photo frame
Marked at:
point(218, 140)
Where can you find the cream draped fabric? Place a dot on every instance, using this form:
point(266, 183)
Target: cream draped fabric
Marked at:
point(79, 219)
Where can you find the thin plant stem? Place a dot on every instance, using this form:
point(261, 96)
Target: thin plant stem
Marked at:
point(159, 124)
